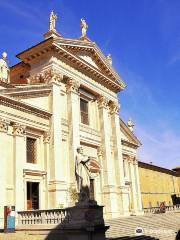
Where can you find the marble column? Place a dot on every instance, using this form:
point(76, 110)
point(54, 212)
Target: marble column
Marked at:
point(109, 181)
point(118, 159)
point(73, 106)
point(19, 154)
point(4, 166)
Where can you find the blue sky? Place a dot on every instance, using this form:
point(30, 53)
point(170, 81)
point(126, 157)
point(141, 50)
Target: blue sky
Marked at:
point(143, 37)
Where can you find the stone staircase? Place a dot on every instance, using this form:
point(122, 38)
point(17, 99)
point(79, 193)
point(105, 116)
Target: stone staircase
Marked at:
point(155, 226)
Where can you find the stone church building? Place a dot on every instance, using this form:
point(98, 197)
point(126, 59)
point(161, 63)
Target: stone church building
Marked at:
point(62, 95)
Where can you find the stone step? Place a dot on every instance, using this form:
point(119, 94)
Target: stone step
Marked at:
point(157, 226)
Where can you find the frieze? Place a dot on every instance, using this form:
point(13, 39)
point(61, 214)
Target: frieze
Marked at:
point(48, 76)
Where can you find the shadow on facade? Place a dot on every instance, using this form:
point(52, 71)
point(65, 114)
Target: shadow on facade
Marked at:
point(178, 235)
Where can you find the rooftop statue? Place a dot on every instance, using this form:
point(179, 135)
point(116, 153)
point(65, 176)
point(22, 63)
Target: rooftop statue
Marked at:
point(84, 27)
point(4, 69)
point(109, 58)
point(130, 124)
point(52, 21)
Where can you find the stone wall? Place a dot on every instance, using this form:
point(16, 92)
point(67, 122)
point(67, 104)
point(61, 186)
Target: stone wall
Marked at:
point(157, 184)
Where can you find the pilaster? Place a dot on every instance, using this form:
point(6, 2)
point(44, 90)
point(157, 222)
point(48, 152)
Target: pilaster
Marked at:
point(118, 159)
point(73, 106)
point(109, 184)
point(100, 160)
point(57, 182)
point(133, 186)
point(138, 190)
point(4, 167)
point(46, 141)
point(19, 155)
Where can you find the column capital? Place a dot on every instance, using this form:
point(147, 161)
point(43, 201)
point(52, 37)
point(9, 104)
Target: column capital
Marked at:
point(4, 125)
point(46, 137)
point(72, 85)
point(133, 160)
point(19, 130)
point(100, 151)
point(102, 102)
point(114, 107)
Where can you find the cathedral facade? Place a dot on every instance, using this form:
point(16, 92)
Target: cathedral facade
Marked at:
point(60, 96)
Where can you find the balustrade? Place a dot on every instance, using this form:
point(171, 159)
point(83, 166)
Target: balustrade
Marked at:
point(157, 209)
point(51, 216)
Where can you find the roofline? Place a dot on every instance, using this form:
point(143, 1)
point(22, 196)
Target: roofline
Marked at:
point(157, 168)
point(28, 49)
point(130, 133)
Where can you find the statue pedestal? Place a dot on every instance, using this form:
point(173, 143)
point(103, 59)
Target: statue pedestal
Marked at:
point(53, 34)
point(84, 222)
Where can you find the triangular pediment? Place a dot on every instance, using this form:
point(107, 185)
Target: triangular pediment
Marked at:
point(88, 59)
point(89, 53)
point(82, 54)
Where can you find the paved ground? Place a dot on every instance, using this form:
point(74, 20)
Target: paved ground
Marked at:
point(19, 236)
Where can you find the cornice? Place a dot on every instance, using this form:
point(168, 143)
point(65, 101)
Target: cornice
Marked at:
point(24, 92)
point(24, 107)
point(131, 137)
point(6, 85)
point(128, 144)
point(28, 52)
point(34, 172)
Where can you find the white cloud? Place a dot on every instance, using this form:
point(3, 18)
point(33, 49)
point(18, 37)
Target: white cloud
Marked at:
point(159, 146)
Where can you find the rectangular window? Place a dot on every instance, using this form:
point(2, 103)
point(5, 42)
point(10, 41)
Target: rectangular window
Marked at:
point(31, 150)
point(84, 111)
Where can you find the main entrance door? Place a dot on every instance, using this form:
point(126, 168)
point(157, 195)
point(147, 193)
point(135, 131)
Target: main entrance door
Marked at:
point(32, 195)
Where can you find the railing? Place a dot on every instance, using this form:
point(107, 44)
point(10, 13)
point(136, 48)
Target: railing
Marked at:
point(51, 216)
point(157, 209)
